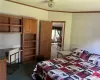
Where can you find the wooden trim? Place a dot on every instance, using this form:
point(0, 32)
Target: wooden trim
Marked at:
point(75, 11)
point(63, 33)
point(26, 5)
point(16, 16)
point(63, 36)
point(59, 21)
point(86, 12)
point(29, 17)
point(10, 15)
point(59, 11)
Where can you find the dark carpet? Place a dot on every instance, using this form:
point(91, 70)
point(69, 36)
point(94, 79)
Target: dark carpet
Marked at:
point(23, 73)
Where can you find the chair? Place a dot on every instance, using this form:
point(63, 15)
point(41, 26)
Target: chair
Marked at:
point(13, 60)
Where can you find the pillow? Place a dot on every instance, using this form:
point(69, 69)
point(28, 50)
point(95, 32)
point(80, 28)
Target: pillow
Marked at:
point(93, 59)
point(98, 62)
point(77, 52)
point(84, 56)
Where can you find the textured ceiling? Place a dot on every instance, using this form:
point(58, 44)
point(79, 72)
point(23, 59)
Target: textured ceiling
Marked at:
point(66, 5)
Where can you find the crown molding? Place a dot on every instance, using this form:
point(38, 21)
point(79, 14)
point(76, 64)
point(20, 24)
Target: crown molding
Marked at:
point(53, 10)
point(59, 11)
point(86, 12)
point(26, 5)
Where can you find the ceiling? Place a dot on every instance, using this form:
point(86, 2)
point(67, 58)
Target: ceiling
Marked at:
point(65, 5)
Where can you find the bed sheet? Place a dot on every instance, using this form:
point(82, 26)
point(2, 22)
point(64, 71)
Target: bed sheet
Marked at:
point(68, 68)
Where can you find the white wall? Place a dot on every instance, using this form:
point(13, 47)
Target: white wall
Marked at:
point(58, 16)
point(0, 4)
point(9, 40)
point(85, 32)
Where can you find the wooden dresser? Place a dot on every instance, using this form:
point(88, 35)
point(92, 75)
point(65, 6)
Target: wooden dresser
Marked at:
point(3, 74)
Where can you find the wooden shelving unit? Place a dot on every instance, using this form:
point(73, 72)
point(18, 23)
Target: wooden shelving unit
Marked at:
point(29, 40)
point(10, 24)
point(27, 27)
point(29, 47)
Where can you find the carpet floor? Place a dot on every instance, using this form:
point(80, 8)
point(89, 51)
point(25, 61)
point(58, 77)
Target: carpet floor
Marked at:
point(23, 73)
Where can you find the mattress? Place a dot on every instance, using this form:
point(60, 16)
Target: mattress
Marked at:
point(68, 68)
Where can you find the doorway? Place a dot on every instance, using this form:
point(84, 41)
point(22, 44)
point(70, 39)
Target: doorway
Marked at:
point(57, 44)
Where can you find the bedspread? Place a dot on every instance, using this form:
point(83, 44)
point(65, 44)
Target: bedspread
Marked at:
point(68, 68)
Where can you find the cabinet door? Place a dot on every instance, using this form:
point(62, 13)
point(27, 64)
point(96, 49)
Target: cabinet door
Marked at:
point(33, 26)
point(3, 70)
point(26, 25)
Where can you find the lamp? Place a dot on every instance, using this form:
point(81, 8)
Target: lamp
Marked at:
point(51, 3)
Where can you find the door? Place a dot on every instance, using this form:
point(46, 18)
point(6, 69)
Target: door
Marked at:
point(45, 38)
point(26, 25)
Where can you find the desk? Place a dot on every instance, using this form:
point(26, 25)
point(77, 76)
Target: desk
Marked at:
point(4, 53)
point(3, 74)
point(3, 64)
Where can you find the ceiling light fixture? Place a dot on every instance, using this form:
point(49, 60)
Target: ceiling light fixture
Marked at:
point(51, 3)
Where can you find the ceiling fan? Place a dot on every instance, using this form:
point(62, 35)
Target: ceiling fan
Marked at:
point(50, 3)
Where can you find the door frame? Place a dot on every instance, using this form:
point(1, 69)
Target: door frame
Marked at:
point(63, 32)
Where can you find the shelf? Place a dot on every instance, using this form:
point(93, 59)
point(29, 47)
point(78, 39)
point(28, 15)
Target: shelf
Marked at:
point(27, 48)
point(15, 25)
point(10, 25)
point(11, 32)
point(15, 32)
point(8, 28)
point(29, 53)
point(29, 56)
point(29, 40)
point(17, 17)
point(28, 61)
point(4, 24)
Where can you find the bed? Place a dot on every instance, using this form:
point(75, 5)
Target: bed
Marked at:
point(82, 66)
